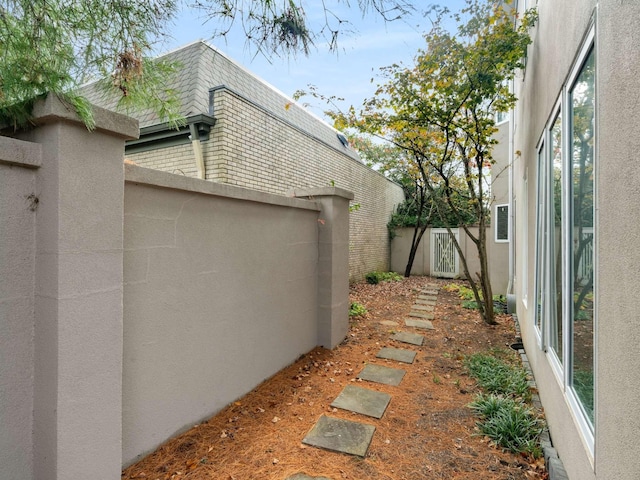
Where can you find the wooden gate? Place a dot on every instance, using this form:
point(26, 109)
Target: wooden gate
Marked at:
point(444, 256)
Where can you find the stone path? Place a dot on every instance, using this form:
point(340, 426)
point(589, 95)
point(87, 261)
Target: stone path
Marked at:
point(397, 354)
point(381, 374)
point(423, 324)
point(354, 438)
point(408, 337)
point(362, 400)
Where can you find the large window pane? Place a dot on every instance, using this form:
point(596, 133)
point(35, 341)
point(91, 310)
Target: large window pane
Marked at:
point(540, 239)
point(582, 101)
point(555, 240)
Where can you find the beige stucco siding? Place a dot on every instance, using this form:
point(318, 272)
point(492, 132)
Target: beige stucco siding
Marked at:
point(557, 41)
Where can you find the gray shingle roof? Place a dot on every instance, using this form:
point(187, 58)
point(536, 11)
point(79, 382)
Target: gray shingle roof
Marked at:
point(202, 67)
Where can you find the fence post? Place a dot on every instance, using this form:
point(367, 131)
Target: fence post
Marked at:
point(333, 262)
point(78, 292)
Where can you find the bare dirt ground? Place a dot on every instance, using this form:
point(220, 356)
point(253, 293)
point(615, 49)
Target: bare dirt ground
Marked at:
point(427, 432)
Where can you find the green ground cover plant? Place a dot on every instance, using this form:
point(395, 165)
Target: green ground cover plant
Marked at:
point(499, 376)
point(356, 310)
point(468, 301)
point(377, 277)
point(505, 414)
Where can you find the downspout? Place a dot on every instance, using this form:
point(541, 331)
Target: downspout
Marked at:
point(197, 150)
point(511, 297)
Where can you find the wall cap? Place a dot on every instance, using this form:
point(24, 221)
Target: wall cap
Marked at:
point(52, 109)
point(20, 153)
point(323, 192)
point(157, 178)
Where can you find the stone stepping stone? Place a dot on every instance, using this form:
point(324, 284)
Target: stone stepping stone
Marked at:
point(425, 315)
point(424, 324)
point(381, 374)
point(408, 337)
point(432, 286)
point(389, 323)
point(427, 308)
point(431, 298)
point(421, 301)
point(397, 354)
point(429, 292)
point(302, 476)
point(340, 435)
point(362, 400)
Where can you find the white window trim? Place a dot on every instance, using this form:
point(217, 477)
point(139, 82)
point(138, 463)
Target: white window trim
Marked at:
point(540, 154)
point(584, 425)
point(495, 223)
point(563, 368)
point(559, 109)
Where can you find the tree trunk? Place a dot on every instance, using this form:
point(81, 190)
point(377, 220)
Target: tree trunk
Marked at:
point(418, 232)
point(488, 316)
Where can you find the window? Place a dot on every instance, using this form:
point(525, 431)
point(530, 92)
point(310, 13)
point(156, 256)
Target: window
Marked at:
point(555, 240)
point(565, 239)
point(541, 236)
point(582, 235)
point(502, 223)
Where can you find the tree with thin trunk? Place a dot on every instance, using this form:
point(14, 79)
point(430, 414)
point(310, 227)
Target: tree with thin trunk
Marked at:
point(441, 112)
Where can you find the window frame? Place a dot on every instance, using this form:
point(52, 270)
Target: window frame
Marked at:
point(563, 368)
point(557, 363)
point(587, 428)
point(540, 240)
point(495, 229)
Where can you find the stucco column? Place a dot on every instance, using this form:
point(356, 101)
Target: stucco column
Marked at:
point(333, 262)
point(78, 293)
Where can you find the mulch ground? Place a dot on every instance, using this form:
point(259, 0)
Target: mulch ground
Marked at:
point(427, 432)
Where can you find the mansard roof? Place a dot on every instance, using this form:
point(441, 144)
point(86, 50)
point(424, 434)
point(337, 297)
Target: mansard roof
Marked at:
point(202, 69)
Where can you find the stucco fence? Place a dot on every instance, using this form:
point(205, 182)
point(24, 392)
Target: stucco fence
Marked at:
point(135, 303)
point(497, 253)
point(253, 147)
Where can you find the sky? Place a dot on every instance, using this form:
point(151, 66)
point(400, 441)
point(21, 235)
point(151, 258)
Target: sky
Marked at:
point(347, 73)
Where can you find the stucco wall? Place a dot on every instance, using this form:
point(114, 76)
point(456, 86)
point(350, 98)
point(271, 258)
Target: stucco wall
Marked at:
point(220, 293)
point(497, 255)
point(557, 40)
point(17, 280)
point(67, 329)
point(264, 142)
point(219, 287)
point(618, 256)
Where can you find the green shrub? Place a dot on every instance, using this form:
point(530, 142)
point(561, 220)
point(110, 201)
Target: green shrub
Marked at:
point(376, 277)
point(505, 416)
point(473, 305)
point(488, 405)
point(356, 310)
point(496, 375)
point(372, 278)
point(509, 423)
point(470, 304)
